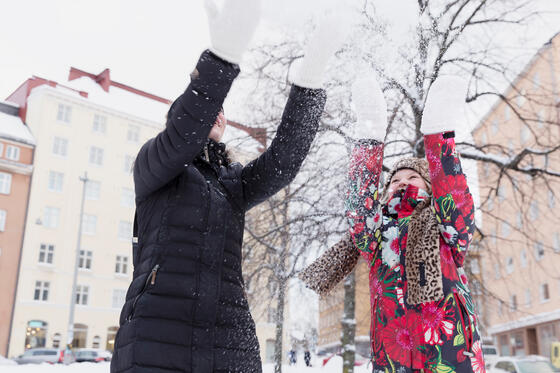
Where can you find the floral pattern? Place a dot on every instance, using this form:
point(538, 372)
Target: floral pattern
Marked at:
point(439, 336)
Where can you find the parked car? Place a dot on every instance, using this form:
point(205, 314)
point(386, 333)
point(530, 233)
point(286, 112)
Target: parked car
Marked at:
point(45, 355)
point(522, 364)
point(490, 354)
point(92, 355)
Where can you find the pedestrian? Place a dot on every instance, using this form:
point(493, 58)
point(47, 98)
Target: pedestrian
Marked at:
point(292, 357)
point(186, 309)
point(414, 235)
point(307, 358)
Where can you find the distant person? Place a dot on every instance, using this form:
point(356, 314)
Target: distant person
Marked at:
point(292, 357)
point(307, 358)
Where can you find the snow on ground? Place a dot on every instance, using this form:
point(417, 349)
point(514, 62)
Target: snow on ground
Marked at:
point(333, 366)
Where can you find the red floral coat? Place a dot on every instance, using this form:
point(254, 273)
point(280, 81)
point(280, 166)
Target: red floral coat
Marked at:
point(440, 336)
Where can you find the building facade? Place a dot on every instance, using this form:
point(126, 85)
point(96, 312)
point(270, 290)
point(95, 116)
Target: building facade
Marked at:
point(88, 125)
point(16, 158)
point(520, 221)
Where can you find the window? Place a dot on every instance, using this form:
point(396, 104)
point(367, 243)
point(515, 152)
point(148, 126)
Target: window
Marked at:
point(523, 258)
point(540, 119)
point(271, 317)
point(119, 297)
point(539, 250)
point(509, 265)
point(60, 146)
point(525, 134)
point(497, 271)
point(536, 80)
point(96, 156)
point(556, 242)
point(475, 266)
point(82, 294)
point(1, 149)
point(12, 152)
point(507, 113)
point(486, 169)
point(133, 134)
point(51, 217)
point(484, 139)
point(501, 193)
point(520, 99)
point(551, 199)
point(55, 181)
point(41, 291)
point(125, 230)
point(3, 215)
point(93, 190)
point(46, 253)
point(89, 224)
point(519, 220)
point(96, 341)
point(128, 163)
point(545, 295)
point(500, 307)
point(534, 210)
point(506, 229)
point(490, 204)
point(127, 197)
point(99, 123)
point(121, 265)
point(495, 126)
point(64, 113)
point(5, 183)
point(513, 302)
point(527, 297)
point(84, 261)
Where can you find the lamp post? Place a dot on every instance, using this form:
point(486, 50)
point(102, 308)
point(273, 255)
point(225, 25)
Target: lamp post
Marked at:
point(70, 338)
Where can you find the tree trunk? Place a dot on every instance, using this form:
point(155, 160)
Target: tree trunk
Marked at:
point(349, 324)
point(281, 293)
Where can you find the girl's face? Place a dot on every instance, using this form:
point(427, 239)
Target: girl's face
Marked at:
point(402, 178)
point(219, 127)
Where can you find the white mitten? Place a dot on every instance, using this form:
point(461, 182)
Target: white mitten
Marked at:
point(325, 41)
point(371, 108)
point(445, 106)
point(232, 27)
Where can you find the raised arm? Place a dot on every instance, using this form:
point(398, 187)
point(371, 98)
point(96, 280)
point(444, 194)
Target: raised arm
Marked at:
point(193, 114)
point(278, 166)
point(453, 203)
point(363, 208)
point(189, 122)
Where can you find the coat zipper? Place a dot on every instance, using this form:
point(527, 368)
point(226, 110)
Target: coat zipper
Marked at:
point(151, 279)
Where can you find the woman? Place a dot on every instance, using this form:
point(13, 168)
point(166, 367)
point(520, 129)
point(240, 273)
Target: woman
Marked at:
point(186, 310)
point(414, 237)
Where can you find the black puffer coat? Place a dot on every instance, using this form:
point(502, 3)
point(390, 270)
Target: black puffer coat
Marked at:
point(185, 310)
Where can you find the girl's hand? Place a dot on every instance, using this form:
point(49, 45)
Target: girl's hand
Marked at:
point(371, 108)
point(444, 109)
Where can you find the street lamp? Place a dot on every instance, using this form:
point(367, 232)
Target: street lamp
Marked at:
point(70, 337)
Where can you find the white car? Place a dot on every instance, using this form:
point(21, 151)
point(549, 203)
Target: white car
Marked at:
point(522, 364)
point(490, 354)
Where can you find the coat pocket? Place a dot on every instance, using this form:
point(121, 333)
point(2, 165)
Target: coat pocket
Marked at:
point(465, 322)
point(150, 281)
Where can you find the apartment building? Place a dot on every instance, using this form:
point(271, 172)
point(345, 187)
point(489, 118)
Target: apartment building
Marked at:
point(16, 158)
point(520, 246)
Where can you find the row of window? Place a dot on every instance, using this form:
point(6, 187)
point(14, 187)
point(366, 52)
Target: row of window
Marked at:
point(12, 152)
point(51, 218)
point(96, 155)
point(36, 336)
point(93, 189)
point(544, 296)
point(539, 253)
point(46, 256)
point(99, 123)
point(41, 293)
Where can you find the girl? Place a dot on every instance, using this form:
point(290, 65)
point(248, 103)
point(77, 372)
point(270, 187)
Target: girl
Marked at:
point(414, 236)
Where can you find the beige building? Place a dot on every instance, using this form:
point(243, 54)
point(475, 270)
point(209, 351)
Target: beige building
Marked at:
point(331, 311)
point(520, 219)
point(16, 159)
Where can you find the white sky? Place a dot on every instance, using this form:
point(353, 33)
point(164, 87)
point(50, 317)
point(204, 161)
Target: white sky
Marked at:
point(150, 45)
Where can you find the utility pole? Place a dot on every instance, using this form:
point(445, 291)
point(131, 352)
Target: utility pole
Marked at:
point(70, 338)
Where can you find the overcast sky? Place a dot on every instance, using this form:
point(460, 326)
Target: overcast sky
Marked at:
point(150, 45)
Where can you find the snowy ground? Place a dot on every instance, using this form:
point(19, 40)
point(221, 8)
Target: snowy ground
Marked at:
point(333, 366)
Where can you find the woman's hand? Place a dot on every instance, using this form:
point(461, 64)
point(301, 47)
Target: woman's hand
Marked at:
point(232, 27)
